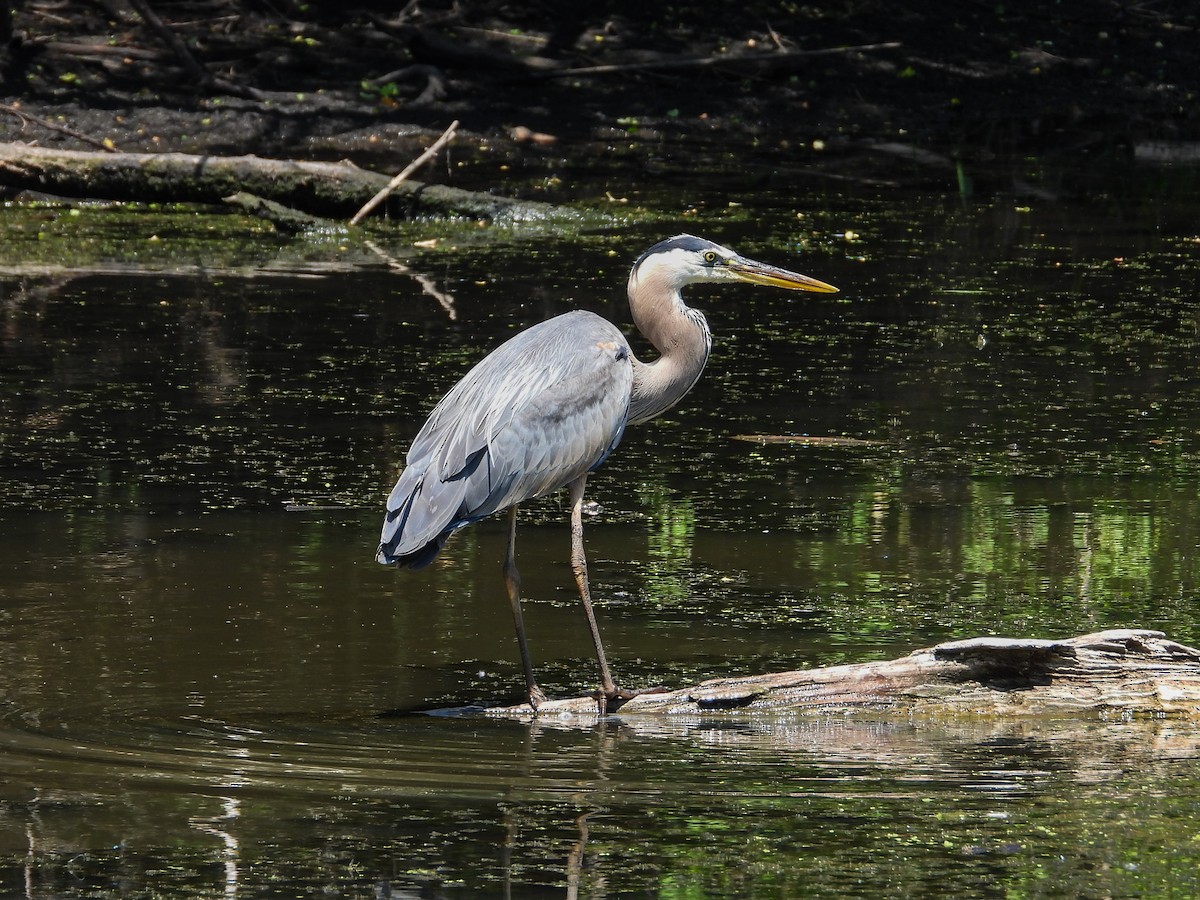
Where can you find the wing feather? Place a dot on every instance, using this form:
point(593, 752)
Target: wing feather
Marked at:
point(543, 408)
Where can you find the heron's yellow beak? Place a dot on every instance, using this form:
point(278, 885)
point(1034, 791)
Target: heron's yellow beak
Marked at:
point(760, 273)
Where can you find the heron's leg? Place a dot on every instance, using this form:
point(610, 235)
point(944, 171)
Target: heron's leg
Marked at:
point(512, 581)
point(579, 568)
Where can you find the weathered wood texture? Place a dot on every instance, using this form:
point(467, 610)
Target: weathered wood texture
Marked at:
point(333, 190)
point(1123, 671)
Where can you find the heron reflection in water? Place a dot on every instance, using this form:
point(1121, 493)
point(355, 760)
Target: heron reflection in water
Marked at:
point(547, 407)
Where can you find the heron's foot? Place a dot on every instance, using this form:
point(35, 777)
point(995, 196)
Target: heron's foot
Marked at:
point(609, 701)
point(536, 697)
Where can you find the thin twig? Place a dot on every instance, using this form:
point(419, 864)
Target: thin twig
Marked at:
point(430, 153)
point(61, 129)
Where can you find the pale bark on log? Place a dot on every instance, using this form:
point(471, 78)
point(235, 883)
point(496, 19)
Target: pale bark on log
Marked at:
point(334, 190)
point(1116, 672)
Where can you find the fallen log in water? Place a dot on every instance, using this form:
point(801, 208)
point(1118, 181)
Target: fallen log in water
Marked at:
point(331, 190)
point(1122, 671)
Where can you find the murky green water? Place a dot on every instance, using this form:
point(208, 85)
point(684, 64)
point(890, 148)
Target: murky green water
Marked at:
point(208, 684)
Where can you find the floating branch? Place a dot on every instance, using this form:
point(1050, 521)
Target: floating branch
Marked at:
point(808, 440)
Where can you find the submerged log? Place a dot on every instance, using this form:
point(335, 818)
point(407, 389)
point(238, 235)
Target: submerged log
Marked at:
point(1121, 672)
point(331, 190)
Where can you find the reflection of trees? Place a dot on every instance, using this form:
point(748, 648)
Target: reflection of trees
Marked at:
point(670, 567)
point(23, 306)
point(220, 375)
point(207, 368)
point(917, 555)
point(1020, 552)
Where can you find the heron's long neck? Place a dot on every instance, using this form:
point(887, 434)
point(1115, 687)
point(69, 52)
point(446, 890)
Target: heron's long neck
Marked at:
point(679, 334)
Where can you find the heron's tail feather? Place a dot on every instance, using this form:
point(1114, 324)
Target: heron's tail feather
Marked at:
point(418, 559)
point(422, 514)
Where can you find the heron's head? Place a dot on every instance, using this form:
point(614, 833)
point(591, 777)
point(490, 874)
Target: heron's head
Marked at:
point(685, 259)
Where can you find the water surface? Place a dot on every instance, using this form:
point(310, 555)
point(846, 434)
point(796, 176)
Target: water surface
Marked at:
point(211, 689)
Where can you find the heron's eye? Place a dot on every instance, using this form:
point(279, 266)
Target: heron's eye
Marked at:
point(710, 257)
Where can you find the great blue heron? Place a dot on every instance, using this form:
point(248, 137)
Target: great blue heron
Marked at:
point(548, 406)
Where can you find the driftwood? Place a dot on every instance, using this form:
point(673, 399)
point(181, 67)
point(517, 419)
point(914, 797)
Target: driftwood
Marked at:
point(1121, 672)
point(333, 190)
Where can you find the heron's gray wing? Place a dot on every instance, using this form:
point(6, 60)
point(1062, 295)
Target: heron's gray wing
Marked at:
point(539, 411)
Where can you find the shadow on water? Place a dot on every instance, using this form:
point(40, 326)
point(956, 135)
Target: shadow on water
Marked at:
point(198, 648)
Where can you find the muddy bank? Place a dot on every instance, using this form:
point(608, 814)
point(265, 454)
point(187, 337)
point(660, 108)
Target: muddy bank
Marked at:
point(539, 91)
